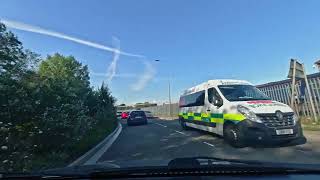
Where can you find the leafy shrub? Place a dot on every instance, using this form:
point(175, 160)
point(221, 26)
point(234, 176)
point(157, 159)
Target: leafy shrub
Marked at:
point(49, 114)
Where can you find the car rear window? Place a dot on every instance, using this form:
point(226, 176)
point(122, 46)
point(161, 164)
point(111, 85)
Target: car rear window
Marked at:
point(137, 113)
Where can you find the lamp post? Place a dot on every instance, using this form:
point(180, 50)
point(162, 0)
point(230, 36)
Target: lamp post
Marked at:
point(169, 93)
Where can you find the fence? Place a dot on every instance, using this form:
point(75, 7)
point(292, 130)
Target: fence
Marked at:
point(281, 91)
point(164, 110)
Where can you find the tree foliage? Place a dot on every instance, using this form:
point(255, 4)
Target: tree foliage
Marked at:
point(46, 107)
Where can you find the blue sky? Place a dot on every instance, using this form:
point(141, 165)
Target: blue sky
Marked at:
point(195, 40)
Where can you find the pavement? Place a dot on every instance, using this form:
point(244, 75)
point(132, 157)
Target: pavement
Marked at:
point(165, 140)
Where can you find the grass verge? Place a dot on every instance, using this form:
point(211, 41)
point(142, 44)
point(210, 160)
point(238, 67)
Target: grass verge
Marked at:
point(64, 157)
point(309, 125)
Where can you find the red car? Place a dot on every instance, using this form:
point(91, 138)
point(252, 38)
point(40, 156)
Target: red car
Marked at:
point(124, 115)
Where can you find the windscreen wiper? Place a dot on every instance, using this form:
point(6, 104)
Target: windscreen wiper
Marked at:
point(200, 161)
point(203, 162)
point(203, 166)
point(210, 166)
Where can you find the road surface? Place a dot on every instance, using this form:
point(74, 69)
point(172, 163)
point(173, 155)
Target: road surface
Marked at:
point(165, 140)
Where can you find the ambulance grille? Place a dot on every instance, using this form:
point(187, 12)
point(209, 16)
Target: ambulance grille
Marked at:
point(271, 120)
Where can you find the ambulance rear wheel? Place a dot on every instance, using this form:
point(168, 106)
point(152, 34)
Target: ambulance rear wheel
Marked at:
point(183, 124)
point(233, 136)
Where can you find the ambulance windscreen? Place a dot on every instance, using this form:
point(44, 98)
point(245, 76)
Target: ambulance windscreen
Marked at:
point(242, 93)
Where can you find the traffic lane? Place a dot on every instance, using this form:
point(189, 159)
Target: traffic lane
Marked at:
point(174, 125)
point(170, 123)
point(152, 142)
point(306, 153)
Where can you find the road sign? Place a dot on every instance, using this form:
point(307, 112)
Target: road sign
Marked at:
point(297, 71)
point(298, 67)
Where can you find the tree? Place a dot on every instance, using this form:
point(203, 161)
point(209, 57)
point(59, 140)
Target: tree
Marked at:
point(64, 94)
point(16, 117)
point(66, 74)
point(47, 108)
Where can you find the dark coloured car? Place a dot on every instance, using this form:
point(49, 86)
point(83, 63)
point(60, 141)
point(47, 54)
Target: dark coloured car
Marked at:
point(137, 117)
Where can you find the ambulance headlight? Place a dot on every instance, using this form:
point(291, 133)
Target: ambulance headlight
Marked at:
point(248, 114)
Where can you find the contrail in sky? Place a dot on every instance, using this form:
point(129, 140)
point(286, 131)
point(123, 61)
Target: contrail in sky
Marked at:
point(123, 75)
point(39, 30)
point(111, 72)
point(145, 78)
point(113, 66)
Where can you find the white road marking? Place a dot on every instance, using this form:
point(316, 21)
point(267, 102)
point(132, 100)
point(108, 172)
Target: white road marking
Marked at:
point(114, 165)
point(160, 124)
point(302, 151)
point(136, 154)
point(102, 147)
point(180, 132)
point(94, 159)
point(209, 144)
point(172, 129)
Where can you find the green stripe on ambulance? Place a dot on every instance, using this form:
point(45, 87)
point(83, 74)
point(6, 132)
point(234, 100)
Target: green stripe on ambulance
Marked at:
point(212, 117)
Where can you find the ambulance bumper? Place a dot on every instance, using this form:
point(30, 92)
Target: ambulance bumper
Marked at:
point(259, 133)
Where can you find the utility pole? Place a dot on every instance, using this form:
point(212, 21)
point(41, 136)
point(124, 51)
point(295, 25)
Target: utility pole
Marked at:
point(169, 93)
point(293, 84)
point(170, 111)
point(310, 95)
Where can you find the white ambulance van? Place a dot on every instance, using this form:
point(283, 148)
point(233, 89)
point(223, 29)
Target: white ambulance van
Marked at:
point(238, 111)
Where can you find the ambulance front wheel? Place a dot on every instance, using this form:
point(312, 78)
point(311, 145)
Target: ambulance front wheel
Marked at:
point(183, 124)
point(233, 136)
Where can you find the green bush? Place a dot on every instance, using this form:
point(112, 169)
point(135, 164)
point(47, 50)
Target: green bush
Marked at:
point(49, 114)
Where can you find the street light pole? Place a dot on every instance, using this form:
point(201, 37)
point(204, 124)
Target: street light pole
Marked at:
point(170, 111)
point(169, 93)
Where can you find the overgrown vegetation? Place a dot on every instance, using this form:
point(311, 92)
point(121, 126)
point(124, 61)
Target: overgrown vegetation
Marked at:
point(309, 124)
point(49, 114)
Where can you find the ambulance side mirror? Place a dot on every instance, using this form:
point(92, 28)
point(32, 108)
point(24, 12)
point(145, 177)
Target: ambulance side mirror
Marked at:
point(218, 102)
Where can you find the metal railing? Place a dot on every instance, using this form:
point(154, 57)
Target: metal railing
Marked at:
point(281, 91)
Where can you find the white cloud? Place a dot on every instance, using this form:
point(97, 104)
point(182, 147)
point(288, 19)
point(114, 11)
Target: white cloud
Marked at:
point(145, 78)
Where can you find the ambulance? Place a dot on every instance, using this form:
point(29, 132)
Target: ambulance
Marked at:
point(239, 112)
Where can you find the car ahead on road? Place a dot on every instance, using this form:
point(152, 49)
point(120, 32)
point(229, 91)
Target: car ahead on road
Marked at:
point(119, 114)
point(239, 112)
point(137, 117)
point(148, 114)
point(124, 115)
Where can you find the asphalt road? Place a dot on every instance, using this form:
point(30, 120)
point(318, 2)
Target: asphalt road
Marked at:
point(165, 140)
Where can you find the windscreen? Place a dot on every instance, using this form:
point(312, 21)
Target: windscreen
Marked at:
point(137, 114)
point(116, 84)
point(242, 93)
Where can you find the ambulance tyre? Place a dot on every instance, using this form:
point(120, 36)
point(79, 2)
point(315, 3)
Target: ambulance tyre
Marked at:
point(233, 136)
point(183, 124)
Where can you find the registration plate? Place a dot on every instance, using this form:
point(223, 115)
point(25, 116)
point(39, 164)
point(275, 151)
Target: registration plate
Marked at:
point(284, 131)
point(138, 117)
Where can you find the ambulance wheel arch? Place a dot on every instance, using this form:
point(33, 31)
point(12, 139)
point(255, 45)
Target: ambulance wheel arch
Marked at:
point(183, 123)
point(232, 134)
